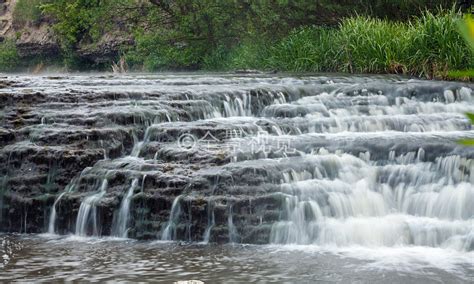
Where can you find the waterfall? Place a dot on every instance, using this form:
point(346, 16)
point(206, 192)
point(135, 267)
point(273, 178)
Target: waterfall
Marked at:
point(87, 214)
point(169, 232)
point(240, 105)
point(143, 183)
point(335, 161)
point(119, 228)
point(52, 216)
point(356, 207)
point(233, 234)
point(211, 221)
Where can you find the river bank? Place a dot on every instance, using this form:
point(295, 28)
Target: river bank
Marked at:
point(420, 44)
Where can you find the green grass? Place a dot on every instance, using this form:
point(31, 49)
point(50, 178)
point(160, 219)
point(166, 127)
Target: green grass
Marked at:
point(436, 46)
point(250, 54)
point(367, 45)
point(305, 49)
point(427, 46)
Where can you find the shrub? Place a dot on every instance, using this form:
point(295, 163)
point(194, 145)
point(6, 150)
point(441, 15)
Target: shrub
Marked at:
point(217, 59)
point(153, 53)
point(251, 54)
point(8, 56)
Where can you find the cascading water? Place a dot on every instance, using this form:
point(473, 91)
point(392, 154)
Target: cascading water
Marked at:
point(233, 234)
point(374, 204)
point(53, 215)
point(119, 228)
point(169, 231)
point(87, 215)
point(211, 222)
point(336, 162)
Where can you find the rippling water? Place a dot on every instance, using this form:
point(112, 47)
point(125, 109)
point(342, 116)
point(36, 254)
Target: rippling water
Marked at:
point(70, 258)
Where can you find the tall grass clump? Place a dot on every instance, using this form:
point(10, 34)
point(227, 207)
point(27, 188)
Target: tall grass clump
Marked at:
point(427, 46)
point(305, 49)
point(436, 46)
point(8, 56)
point(368, 45)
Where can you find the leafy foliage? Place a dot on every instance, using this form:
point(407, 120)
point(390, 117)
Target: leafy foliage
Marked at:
point(8, 56)
point(306, 35)
point(76, 19)
point(468, 142)
point(466, 28)
point(425, 46)
point(83, 21)
point(155, 53)
point(182, 33)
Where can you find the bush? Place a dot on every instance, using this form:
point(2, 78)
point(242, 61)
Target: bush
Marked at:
point(251, 54)
point(8, 56)
point(217, 60)
point(152, 53)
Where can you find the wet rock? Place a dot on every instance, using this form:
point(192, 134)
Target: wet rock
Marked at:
point(264, 159)
point(6, 136)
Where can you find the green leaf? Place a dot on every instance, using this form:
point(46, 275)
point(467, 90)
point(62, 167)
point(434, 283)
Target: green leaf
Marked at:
point(470, 116)
point(467, 142)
